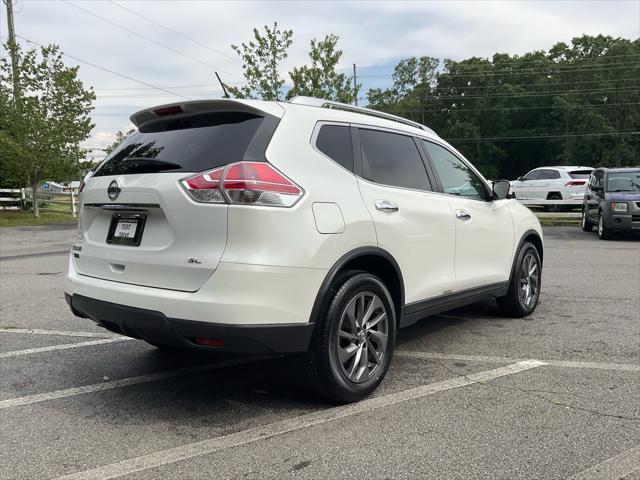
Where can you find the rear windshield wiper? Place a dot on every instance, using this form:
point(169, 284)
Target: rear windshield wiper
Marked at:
point(148, 165)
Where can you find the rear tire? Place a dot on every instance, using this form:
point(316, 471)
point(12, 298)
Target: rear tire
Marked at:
point(524, 287)
point(353, 340)
point(587, 226)
point(554, 208)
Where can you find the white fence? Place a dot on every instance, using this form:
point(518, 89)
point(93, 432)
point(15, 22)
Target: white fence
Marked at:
point(19, 199)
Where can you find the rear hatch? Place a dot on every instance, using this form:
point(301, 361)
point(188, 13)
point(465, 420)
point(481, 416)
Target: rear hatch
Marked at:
point(137, 224)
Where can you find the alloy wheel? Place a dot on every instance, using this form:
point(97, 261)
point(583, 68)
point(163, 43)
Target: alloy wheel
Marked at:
point(363, 333)
point(529, 281)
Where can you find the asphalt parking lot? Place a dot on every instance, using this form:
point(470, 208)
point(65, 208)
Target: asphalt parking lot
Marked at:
point(469, 395)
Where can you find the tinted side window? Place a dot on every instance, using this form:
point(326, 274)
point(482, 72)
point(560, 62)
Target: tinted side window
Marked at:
point(392, 159)
point(549, 175)
point(456, 177)
point(335, 142)
point(533, 175)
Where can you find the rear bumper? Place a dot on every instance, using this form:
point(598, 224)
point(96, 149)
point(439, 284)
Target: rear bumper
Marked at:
point(252, 308)
point(156, 328)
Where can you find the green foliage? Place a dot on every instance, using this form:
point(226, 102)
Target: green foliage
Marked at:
point(41, 129)
point(588, 87)
point(320, 79)
point(261, 58)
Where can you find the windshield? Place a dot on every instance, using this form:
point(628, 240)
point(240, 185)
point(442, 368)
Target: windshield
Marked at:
point(623, 182)
point(193, 144)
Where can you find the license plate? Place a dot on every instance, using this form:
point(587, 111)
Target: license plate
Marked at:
point(126, 229)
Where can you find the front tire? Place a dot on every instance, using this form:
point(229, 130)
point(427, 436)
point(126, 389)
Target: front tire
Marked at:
point(587, 226)
point(603, 232)
point(524, 287)
point(354, 339)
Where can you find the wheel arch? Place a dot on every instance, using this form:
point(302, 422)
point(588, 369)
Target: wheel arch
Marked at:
point(531, 236)
point(374, 260)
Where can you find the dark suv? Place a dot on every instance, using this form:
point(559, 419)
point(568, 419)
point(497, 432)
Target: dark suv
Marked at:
point(612, 201)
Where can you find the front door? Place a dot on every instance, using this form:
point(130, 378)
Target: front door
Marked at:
point(484, 229)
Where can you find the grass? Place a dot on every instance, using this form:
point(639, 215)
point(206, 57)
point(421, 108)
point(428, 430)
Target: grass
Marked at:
point(17, 219)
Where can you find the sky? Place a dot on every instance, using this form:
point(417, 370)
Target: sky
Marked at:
point(178, 45)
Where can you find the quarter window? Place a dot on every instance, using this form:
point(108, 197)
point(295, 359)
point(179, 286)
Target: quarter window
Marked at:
point(335, 142)
point(456, 177)
point(392, 159)
point(549, 175)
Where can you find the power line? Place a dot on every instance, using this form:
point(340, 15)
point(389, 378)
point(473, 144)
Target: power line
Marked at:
point(530, 137)
point(494, 85)
point(110, 71)
point(174, 31)
point(519, 62)
point(513, 72)
point(541, 94)
point(178, 52)
point(578, 106)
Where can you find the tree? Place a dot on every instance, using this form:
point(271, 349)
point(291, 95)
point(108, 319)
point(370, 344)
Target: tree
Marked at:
point(320, 79)
point(41, 131)
point(575, 104)
point(261, 58)
point(118, 140)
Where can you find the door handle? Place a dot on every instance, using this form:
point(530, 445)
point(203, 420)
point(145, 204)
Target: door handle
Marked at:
point(462, 215)
point(386, 206)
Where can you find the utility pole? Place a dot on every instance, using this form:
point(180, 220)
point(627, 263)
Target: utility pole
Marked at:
point(355, 82)
point(13, 50)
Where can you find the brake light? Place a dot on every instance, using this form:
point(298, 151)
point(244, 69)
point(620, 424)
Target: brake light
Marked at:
point(243, 183)
point(172, 110)
point(575, 183)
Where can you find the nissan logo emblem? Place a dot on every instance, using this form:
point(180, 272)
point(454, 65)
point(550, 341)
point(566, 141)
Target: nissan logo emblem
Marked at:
point(114, 190)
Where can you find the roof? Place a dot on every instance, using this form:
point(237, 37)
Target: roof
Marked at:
point(334, 110)
point(565, 167)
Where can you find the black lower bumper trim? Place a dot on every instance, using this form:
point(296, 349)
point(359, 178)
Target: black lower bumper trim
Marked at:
point(156, 328)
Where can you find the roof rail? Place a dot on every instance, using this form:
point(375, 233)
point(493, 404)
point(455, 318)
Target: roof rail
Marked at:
point(320, 102)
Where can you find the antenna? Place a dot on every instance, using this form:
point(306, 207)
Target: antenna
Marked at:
point(224, 89)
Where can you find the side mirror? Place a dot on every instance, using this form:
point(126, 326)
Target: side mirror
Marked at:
point(520, 179)
point(501, 189)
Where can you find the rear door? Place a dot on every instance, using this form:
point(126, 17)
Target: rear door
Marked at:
point(137, 223)
point(413, 224)
point(484, 233)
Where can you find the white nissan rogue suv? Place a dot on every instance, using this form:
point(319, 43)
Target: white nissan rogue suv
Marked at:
point(306, 227)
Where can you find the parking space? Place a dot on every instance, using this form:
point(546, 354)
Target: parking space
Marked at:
point(470, 394)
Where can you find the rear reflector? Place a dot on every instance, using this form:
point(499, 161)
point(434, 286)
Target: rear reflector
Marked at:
point(172, 110)
point(575, 183)
point(243, 183)
point(209, 342)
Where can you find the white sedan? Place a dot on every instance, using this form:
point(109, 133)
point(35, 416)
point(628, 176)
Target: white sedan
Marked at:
point(566, 185)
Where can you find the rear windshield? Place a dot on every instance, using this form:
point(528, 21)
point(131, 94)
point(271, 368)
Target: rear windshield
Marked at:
point(580, 174)
point(193, 144)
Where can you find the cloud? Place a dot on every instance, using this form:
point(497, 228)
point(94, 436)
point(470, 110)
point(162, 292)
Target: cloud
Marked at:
point(371, 33)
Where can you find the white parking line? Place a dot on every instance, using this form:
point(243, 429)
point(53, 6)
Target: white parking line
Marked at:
point(66, 346)
point(124, 382)
point(489, 359)
point(62, 333)
point(251, 435)
point(613, 468)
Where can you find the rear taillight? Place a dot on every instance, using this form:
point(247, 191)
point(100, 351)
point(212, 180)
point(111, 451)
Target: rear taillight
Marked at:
point(575, 183)
point(243, 183)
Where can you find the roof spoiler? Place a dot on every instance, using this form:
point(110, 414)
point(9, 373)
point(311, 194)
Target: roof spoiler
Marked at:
point(182, 109)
